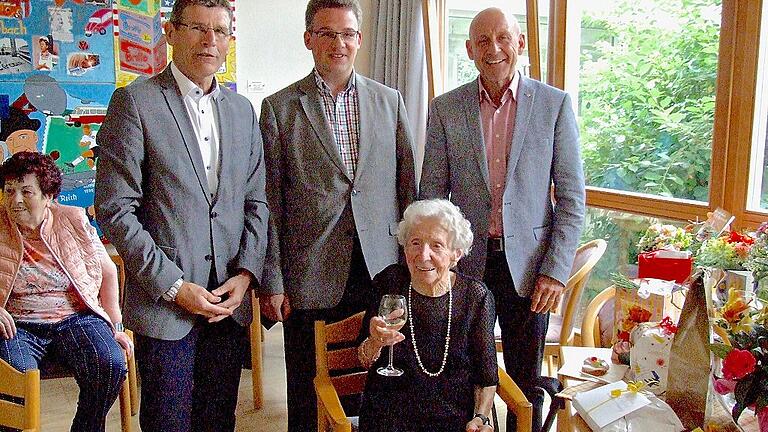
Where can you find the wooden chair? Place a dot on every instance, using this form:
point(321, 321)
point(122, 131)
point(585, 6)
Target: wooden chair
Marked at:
point(590, 323)
point(19, 398)
point(330, 413)
point(560, 331)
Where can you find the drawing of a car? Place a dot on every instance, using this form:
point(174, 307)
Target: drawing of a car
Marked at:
point(85, 115)
point(98, 22)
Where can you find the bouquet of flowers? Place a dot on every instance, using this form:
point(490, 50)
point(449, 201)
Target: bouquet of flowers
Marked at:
point(669, 237)
point(745, 360)
point(729, 251)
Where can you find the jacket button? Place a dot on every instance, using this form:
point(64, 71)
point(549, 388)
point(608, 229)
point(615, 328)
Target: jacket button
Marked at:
point(213, 215)
point(209, 258)
point(354, 192)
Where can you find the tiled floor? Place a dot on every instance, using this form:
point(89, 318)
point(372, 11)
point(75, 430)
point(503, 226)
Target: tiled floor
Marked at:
point(59, 397)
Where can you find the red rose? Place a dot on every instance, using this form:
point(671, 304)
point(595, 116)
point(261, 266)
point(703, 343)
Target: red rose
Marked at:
point(738, 364)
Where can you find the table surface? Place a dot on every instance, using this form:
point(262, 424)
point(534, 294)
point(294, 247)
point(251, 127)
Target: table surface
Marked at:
point(573, 422)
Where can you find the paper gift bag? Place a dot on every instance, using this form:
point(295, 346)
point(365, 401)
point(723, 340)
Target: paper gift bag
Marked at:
point(690, 358)
point(666, 265)
point(652, 302)
point(649, 356)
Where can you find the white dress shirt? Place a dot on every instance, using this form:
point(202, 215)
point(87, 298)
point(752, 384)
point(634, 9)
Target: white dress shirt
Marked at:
point(201, 109)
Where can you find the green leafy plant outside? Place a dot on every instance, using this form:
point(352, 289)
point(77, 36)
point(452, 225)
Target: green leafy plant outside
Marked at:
point(647, 97)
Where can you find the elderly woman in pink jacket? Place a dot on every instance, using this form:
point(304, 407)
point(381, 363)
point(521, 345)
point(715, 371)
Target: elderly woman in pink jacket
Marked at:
point(58, 288)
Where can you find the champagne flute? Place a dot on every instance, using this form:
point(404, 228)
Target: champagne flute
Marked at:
point(394, 312)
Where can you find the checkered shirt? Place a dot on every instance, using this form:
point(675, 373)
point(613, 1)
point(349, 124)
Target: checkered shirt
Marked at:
point(343, 114)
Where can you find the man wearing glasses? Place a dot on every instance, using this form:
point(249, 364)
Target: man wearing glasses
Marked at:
point(340, 172)
point(180, 193)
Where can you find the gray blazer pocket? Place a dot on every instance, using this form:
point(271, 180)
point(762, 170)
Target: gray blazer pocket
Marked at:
point(541, 233)
point(170, 252)
point(394, 228)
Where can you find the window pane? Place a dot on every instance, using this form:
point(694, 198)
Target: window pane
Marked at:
point(758, 191)
point(459, 69)
point(646, 94)
point(622, 231)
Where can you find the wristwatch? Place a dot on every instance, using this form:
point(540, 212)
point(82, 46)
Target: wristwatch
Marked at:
point(484, 418)
point(170, 295)
point(119, 327)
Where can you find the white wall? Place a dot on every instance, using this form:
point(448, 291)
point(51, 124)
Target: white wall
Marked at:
point(270, 45)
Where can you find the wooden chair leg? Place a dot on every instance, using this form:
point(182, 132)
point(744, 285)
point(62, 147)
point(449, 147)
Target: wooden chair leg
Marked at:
point(256, 359)
point(125, 407)
point(133, 385)
point(564, 418)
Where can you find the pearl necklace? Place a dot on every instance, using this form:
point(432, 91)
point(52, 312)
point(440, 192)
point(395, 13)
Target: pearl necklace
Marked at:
point(447, 335)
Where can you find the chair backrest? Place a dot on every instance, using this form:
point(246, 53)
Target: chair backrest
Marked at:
point(19, 398)
point(590, 323)
point(335, 350)
point(584, 261)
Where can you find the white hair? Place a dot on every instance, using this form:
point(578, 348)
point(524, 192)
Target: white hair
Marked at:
point(449, 217)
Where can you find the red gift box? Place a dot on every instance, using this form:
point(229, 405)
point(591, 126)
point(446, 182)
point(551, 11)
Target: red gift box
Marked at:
point(659, 265)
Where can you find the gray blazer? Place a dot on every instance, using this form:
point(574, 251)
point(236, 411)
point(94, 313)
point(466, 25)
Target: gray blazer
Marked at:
point(539, 238)
point(153, 202)
point(315, 208)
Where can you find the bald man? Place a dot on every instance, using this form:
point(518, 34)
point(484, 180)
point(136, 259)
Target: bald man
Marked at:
point(495, 147)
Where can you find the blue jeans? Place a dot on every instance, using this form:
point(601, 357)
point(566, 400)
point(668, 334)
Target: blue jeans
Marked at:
point(83, 344)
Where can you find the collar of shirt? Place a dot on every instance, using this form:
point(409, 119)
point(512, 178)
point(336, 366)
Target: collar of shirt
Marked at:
point(188, 88)
point(511, 90)
point(323, 87)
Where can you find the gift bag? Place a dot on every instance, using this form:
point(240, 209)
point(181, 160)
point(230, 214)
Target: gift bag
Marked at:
point(665, 265)
point(649, 303)
point(690, 358)
point(649, 355)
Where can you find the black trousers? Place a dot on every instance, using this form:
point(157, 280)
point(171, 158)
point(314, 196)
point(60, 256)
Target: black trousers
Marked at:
point(523, 335)
point(299, 342)
point(191, 384)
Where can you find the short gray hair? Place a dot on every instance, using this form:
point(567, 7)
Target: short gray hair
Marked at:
point(314, 6)
point(180, 5)
point(449, 216)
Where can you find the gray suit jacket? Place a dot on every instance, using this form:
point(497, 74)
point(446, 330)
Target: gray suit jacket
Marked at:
point(315, 208)
point(153, 202)
point(539, 238)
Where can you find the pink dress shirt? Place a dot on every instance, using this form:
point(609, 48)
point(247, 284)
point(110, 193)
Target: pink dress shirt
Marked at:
point(498, 125)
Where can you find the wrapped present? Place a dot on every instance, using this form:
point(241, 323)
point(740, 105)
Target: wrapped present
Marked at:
point(664, 264)
point(649, 355)
point(654, 300)
point(604, 405)
point(657, 416)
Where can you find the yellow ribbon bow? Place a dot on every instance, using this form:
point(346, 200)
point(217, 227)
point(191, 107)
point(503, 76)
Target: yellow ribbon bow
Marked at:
point(632, 387)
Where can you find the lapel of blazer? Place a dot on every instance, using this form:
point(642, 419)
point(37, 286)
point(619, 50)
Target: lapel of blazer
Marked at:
point(313, 108)
point(179, 113)
point(525, 98)
point(369, 113)
point(226, 140)
point(471, 99)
